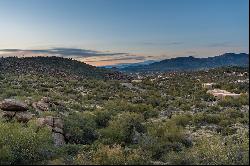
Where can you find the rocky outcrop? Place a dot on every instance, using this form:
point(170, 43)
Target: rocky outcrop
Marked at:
point(58, 139)
point(19, 116)
point(42, 105)
point(23, 116)
point(13, 105)
point(48, 120)
point(48, 104)
point(56, 125)
point(136, 136)
point(13, 109)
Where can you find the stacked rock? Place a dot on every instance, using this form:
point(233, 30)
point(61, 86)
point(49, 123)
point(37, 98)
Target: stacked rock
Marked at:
point(13, 109)
point(42, 105)
point(56, 126)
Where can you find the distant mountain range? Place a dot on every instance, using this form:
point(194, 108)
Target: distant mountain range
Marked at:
point(124, 65)
point(192, 63)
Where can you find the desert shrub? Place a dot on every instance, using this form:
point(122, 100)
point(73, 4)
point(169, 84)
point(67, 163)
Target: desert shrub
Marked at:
point(121, 128)
point(185, 107)
point(216, 150)
point(228, 131)
point(230, 116)
point(24, 145)
point(82, 158)
point(203, 118)
point(161, 138)
point(200, 105)
point(178, 158)
point(182, 120)
point(146, 110)
point(231, 102)
point(213, 109)
point(81, 126)
point(136, 157)
point(116, 155)
point(208, 97)
point(121, 106)
point(106, 155)
point(102, 117)
point(66, 154)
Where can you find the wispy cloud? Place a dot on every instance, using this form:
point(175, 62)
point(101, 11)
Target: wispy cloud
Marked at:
point(131, 57)
point(65, 52)
point(86, 55)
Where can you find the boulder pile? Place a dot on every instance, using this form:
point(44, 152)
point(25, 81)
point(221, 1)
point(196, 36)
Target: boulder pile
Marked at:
point(13, 109)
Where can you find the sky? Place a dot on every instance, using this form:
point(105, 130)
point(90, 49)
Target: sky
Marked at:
point(109, 32)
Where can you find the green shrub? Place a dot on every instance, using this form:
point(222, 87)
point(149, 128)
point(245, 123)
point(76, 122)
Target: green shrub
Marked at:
point(81, 126)
point(121, 106)
point(231, 102)
point(203, 118)
point(182, 120)
point(24, 145)
point(102, 117)
point(121, 128)
point(161, 138)
point(216, 150)
point(116, 155)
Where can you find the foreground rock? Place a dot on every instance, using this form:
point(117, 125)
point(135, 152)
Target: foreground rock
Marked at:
point(42, 105)
point(58, 139)
point(19, 116)
point(13, 109)
point(56, 125)
point(23, 116)
point(13, 105)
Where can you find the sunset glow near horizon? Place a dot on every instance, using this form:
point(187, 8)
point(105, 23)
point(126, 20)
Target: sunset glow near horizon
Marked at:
point(108, 32)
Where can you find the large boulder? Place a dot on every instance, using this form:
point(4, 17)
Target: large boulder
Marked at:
point(41, 106)
point(57, 130)
point(23, 116)
point(58, 139)
point(46, 99)
point(8, 114)
point(48, 120)
point(56, 126)
point(58, 123)
point(136, 136)
point(13, 105)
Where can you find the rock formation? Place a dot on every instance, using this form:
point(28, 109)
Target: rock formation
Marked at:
point(13, 109)
point(56, 126)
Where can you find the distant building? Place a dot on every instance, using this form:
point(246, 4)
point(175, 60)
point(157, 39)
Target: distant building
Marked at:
point(208, 85)
point(136, 81)
point(242, 81)
point(222, 94)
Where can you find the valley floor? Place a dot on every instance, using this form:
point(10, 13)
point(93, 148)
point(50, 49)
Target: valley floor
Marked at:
point(164, 118)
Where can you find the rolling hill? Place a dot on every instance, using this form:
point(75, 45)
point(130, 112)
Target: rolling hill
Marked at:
point(55, 66)
point(192, 63)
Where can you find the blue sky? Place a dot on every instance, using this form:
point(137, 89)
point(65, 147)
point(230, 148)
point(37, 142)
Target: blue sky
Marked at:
point(124, 31)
